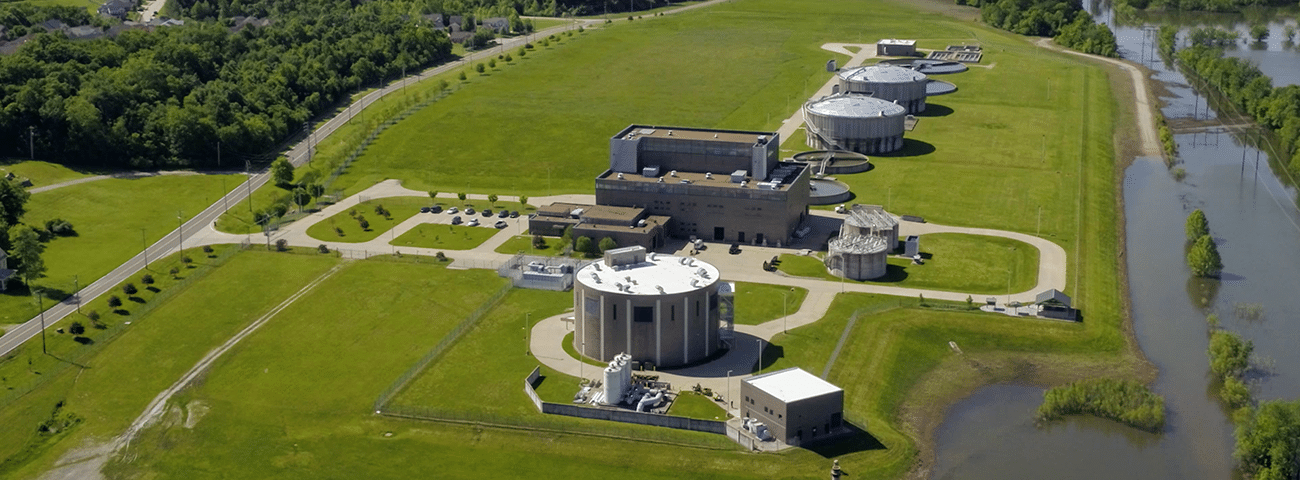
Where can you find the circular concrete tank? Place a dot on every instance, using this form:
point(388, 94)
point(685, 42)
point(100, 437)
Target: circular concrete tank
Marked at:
point(859, 257)
point(887, 82)
point(656, 308)
point(872, 220)
point(854, 122)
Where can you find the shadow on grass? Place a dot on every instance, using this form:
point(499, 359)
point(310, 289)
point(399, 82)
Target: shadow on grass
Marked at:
point(78, 339)
point(135, 299)
point(83, 341)
point(935, 110)
point(855, 441)
point(771, 353)
point(911, 148)
point(893, 274)
point(153, 289)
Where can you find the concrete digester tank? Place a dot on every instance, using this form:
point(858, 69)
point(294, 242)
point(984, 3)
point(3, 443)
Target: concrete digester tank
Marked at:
point(872, 220)
point(855, 122)
point(887, 82)
point(859, 257)
point(657, 308)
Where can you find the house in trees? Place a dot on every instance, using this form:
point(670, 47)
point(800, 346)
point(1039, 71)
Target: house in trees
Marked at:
point(501, 25)
point(5, 272)
point(116, 8)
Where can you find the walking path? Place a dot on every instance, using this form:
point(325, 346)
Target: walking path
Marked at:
point(1146, 118)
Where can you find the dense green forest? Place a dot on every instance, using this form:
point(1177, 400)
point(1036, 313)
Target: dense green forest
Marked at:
point(1064, 20)
point(1245, 85)
point(167, 97)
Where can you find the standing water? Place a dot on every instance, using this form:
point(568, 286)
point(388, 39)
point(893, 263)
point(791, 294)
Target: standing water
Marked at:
point(1253, 217)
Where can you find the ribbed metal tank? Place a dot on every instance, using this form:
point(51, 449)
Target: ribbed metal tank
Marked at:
point(859, 257)
point(854, 122)
point(887, 82)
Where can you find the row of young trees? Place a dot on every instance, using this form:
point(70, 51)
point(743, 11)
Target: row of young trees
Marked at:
point(170, 96)
point(1246, 86)
point(1064, 20)
point(1203, 255)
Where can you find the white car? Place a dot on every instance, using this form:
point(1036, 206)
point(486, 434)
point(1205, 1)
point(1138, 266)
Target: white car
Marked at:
point(473, 222)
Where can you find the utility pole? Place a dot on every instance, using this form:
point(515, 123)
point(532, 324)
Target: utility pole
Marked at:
point(31, 151)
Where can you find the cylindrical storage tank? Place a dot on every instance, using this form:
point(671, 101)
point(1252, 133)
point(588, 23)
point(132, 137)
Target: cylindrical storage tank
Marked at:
point(887, 82)
point(859, 257)
point(854, 122)
point(657, 308)
point(872, 220)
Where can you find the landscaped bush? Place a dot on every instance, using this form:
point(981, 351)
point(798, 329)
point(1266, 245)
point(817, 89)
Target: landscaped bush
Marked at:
point(1124, 401)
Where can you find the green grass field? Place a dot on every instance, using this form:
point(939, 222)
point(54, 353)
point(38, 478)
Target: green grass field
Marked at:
point(399, 209)
point(759, 302)
point(957, 263)
point(689, 404)
point(41, 173)
point(113, 219)
point(524, 244)
point(449, 237)
point(128, 372)
point(88, 4)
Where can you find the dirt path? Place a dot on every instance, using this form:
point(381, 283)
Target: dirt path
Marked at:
point(123, 175)
point(1145, 116)
point(86, 463)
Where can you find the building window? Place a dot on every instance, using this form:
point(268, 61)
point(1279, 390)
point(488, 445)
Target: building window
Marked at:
point(615, 311)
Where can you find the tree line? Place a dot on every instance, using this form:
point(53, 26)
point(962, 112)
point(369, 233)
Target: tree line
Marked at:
point(1202, 5)
point(1277, 109)
point(1063, 20)
point(168, 97)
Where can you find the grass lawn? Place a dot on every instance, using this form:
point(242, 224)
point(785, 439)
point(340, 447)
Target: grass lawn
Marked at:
point(973, 264)
point(41, 173)
point(399, 209)
point(449, 237)
point(524, 244)
point(573, 352)
point(759, 302)
point(120, 379)
point(88, 4)
point(110, 217)
point(693, 405)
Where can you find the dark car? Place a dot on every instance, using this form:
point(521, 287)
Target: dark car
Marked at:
point(469, 210)
point(503, 214)
point(424, 209)
point(735, 249)
point(500, 224)
point(487, 212)
point(514, 214)
point(455, 220)
point(436, 209)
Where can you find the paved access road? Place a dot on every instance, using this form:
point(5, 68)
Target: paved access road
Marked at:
point(202, 222)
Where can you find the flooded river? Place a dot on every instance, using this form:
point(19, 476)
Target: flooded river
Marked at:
point(1253, 217)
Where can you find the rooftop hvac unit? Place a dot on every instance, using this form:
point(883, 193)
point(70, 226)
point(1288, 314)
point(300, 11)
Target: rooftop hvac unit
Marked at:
point(641, 223)
point(650, 171)
point(672, 173)
point(738, 176)
point(709, 175)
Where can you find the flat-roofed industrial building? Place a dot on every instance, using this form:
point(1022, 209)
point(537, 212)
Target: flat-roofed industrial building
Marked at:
point(796, 406)
point(627, 226)
point(719, 185)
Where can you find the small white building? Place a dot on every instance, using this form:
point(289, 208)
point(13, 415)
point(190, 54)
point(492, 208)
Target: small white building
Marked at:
point(891, 47)
point(794, 405)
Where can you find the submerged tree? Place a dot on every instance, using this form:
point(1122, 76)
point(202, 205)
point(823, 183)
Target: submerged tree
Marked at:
point(1203, 257)
point(1197, 225)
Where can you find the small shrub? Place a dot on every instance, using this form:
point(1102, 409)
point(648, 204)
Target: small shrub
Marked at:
point(462, 76)
point(129, 289)
point(187, 260)
point(59, 227)
point(174, 271)
point(147, 279)
point(539, 242)
point(509, 58)
point(492, 63)
point(480, 68)
point(207, 250)
point(352, 213)
point(281, 245)
point(523, 200)
point(365, 225)
point(323, 249)
point(76, 328)
point(338, 231)
point(492, 198)
point(1179, 174)
point(441, 257)
point(114, 301)
point(461, 196)
point(93, 316)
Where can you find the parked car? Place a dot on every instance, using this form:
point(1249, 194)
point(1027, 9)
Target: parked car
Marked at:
point(500, 224)
point(453, 210)
point(469, 210)
point(473, 222)
point(436, 209)
point(503, 214)
point(424, 209)
point(514, 214)
point(487, 212)
point(455, 220)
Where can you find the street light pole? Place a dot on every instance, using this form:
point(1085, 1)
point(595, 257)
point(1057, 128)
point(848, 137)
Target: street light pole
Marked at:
point(785, 324)
point(760, 354)
point(729, 400)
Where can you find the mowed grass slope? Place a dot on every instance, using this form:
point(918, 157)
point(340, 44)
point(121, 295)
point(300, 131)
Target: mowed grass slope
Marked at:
point(117, 383)
point(295, 398)
point(109, 216)
point(544, 125)
point(42, 174)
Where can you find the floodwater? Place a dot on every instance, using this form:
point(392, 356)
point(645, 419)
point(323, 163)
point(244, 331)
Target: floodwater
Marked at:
point(1253, 217)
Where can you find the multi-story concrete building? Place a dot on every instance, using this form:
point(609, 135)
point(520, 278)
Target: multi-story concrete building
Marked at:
point(720, 185)
point(796, 406)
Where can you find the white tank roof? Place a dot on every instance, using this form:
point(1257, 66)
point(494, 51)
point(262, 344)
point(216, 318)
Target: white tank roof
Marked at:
point(658, 274)
point(870, 216)
point(856, 106)
point(882, 73)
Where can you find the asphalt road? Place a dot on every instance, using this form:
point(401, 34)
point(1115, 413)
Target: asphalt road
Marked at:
point(297, 155)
